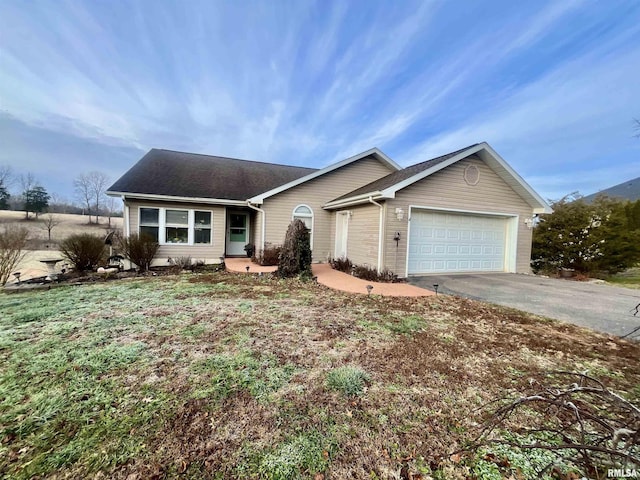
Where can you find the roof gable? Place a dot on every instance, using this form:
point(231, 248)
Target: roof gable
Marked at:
point(387, 187)
point(399, 176)
point(167, 173)
point(373, 152)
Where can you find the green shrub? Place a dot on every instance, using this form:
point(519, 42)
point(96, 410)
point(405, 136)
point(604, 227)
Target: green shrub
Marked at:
point(269, 256)
point(601, 236)
point(295, 259)
point(12, 243)
point(84, 251)
point(140, 250)
point(348, 380)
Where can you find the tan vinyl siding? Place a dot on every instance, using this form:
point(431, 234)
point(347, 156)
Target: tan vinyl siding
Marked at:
point(447, 189)
point(254, 230)
point(208, 253)
point(362, 238)
point(315, 193)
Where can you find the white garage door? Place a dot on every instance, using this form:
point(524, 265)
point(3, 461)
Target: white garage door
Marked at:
point(442, 242)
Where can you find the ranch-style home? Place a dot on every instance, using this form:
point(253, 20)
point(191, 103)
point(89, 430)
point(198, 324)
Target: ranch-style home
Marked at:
point(467, 211)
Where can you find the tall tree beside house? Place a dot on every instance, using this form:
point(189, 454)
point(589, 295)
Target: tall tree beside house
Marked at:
point(602, 236)
point(90, 188)
point(36, 200)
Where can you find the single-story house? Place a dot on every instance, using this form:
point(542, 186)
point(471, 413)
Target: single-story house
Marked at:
point(467, 211)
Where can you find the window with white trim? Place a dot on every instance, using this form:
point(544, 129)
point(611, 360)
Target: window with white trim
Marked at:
point(150, 223)
point(169, 226)
point(305, 214)
point(202, 227)
point(177, 226)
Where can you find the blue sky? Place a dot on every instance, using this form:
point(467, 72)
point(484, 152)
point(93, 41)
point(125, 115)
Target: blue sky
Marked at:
point(552, 86)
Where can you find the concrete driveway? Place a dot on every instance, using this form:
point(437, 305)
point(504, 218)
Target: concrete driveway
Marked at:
point(600, 307)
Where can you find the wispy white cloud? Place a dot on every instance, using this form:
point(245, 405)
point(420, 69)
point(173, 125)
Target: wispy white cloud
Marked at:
point(309, 83)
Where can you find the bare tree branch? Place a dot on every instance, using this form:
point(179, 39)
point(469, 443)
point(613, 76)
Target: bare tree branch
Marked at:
point(6, 176)
point(49, 222)
point(584, 424)
point(90, 188)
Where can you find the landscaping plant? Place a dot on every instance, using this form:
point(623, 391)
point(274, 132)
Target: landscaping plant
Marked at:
point(295, 259)
point(587, 237)
point(342, 264)
point(84, 251)
point(139, 249)
point(269, 256)
point(12, 242)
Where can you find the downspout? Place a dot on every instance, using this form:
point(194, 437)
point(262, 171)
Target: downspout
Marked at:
point(263, 223)
point(380, 233)
point(125, 220)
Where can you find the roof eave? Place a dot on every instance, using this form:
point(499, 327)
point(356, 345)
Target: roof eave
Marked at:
point(355, 200)
point(381, 156)
point(171, 198)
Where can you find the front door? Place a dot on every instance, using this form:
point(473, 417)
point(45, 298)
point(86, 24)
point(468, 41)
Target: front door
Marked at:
point(237, 233)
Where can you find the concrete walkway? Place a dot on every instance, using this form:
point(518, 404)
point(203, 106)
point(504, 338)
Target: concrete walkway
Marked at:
point(239, 265)
point(331, 278)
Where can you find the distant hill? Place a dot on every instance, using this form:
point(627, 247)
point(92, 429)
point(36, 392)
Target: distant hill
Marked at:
point(629, 190)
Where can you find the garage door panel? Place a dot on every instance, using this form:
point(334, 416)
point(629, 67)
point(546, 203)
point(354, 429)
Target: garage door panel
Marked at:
point(451, 242)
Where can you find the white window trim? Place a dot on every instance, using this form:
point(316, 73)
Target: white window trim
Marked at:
point(178, 225)
point(162, 225)
point(305, 215)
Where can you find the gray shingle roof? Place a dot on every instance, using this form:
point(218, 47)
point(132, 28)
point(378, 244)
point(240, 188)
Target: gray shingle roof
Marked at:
point(179, 174)
point(400, 175)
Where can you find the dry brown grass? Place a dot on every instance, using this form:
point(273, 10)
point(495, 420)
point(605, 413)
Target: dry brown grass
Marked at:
point(215, 343)
point(39, 247)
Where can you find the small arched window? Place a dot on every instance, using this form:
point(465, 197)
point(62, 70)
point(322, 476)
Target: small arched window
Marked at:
point(305, 214)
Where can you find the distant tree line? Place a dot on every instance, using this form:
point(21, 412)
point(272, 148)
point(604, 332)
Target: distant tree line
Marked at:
point(32, 198)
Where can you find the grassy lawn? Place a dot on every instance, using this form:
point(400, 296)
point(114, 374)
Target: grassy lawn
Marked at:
point(237, 376)
point(629, 278)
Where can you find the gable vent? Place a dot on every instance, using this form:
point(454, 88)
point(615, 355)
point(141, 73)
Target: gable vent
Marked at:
point(471, 175)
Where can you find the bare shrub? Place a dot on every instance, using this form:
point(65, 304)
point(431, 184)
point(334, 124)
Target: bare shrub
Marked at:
point(295, 258)
point(140, 250)
point(12, 243)
point(369, 273)
point(181, 263)
point(364, 272)
point(269, 256)
point(84, 251)
point(342, 264)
